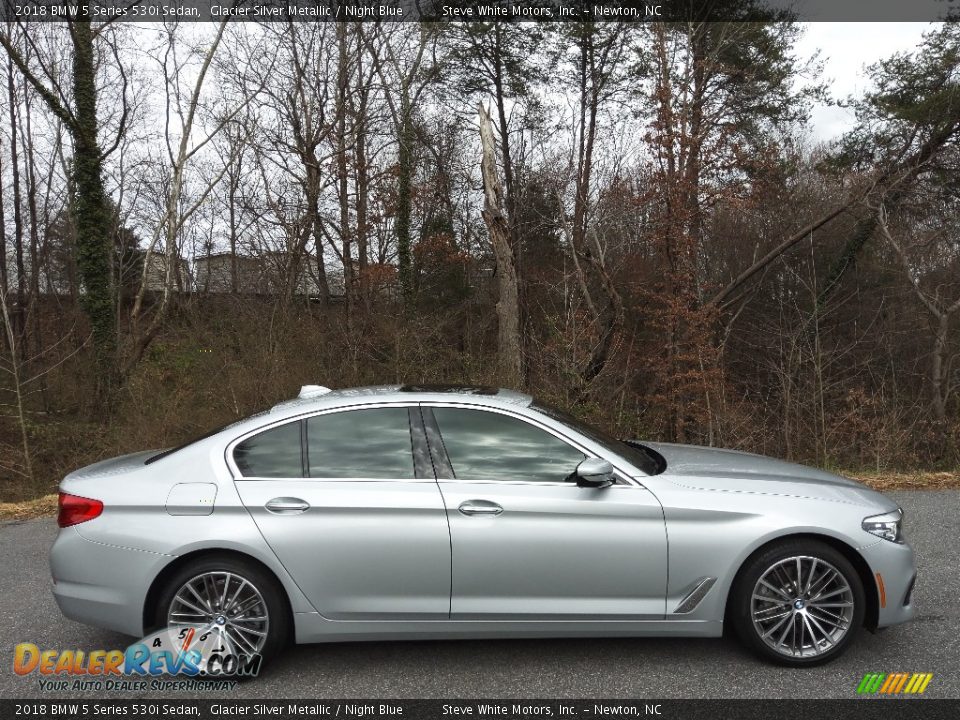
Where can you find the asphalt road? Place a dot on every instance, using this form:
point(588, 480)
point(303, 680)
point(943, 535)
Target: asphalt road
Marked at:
point(637, 668)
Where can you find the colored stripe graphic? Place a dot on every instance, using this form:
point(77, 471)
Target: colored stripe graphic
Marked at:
point(871, 682)
point(903, 681)
point(915, 681)
point(894, 683)
point(890, 682)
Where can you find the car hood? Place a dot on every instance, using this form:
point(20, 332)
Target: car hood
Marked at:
point(734, 471)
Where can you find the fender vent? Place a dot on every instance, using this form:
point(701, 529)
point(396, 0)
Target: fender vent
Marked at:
point(693, 598)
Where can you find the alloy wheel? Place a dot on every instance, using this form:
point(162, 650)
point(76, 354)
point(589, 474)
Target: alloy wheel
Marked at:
point(224, 603)
point(802, 606)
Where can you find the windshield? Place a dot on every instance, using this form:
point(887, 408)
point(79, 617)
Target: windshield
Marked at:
point(636, 454)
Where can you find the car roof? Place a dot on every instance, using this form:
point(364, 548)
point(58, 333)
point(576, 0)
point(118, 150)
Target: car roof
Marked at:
point(318, 397)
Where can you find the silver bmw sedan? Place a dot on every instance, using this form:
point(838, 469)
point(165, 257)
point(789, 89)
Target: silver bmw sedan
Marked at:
point(465, 512)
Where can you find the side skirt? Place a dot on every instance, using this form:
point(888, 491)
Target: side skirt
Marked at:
point(313, 628)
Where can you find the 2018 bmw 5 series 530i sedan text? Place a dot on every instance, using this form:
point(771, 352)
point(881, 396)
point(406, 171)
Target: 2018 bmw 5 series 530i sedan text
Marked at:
point(465, 512)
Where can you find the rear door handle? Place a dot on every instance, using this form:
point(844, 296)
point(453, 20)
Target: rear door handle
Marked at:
point(287, 506)
point(479, 507)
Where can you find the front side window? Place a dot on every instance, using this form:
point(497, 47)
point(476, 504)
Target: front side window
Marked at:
point(274, 453)
point(489, 446)
point(372, 443)
point(647, 459)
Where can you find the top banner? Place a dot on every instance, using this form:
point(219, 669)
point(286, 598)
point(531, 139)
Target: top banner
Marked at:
point(479, 10)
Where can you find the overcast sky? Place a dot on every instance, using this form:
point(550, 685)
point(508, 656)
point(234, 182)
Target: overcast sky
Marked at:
point(847, 49)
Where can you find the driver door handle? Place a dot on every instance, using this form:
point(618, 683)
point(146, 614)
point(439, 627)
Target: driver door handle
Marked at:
point(287, 505)
point(479, 507)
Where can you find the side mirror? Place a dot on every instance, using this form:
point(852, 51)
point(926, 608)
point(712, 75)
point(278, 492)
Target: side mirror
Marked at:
point(594, 473)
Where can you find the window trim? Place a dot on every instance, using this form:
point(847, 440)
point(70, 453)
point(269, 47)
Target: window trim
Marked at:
point(442, 467)
point(302, 418)
point(621, 477)
point(423, 463)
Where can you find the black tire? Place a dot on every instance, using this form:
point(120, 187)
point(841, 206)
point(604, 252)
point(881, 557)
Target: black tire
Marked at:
point(780, 603)
point(278, 626)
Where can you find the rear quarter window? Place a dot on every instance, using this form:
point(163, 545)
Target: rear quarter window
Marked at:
point(274, 453)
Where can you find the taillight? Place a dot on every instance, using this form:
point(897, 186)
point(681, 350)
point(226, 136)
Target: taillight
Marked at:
point(73, 509)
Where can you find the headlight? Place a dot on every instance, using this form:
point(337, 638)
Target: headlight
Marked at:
point(889, 526)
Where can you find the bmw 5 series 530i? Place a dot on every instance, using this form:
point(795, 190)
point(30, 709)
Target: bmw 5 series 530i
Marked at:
point(466, 512)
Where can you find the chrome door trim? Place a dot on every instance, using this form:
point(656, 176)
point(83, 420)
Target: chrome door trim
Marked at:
point(252, 478)
point(532, 483)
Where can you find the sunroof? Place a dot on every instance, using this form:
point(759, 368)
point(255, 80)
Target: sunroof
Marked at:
point(442, 388)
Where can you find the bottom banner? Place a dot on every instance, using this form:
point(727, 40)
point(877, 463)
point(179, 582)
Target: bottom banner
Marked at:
point(868, 709)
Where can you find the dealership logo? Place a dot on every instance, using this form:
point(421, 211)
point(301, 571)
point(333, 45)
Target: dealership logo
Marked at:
point(171, 651)
point(894, 683)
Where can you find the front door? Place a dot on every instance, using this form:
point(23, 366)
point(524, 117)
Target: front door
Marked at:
point(527, 542)
point(338, 499)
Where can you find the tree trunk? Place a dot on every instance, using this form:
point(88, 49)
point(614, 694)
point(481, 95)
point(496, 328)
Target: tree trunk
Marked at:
point(322, 282)
point(510, 197)
point(343, 189)
point(89, 205)
point(90, 211)
point(510, 361)
point(33, 313)
point(15, 373)
point(692, 179)
point(18, 307)
point(362, 184)
point(4, 280)
point(936, 369)
point(610, 318)
point(404, 194)
point(234, 181)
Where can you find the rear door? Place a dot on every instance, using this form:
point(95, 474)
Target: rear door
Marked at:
point(358, 524)
point(528, 543)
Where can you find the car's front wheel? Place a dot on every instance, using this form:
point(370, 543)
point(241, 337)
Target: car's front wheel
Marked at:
point(233, 602)
point(798, 603)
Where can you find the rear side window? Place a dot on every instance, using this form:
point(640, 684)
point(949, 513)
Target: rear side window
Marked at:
point(372, 443)
point(274, 453)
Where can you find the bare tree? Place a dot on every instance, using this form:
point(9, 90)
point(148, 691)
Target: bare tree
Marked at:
point(510, 361)
point(942, 310)
point(598, 66)
point(13, 368)
point(180, 151)
point(90, 206)
point(405, 63)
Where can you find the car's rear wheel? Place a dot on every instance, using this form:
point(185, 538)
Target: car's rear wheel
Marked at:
point(798, 603)
point(233, 601)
